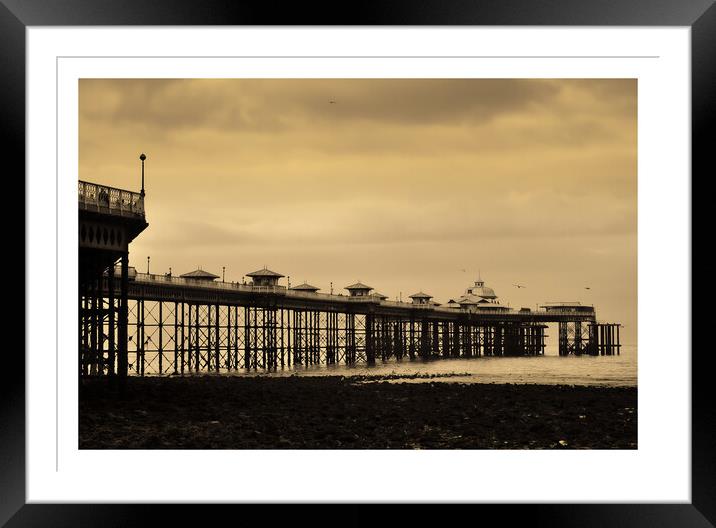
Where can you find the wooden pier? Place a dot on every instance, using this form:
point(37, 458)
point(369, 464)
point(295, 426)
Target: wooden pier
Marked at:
point(133, 323)
point(175, 326)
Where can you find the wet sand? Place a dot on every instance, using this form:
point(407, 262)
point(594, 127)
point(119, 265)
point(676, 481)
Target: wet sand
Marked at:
point(363, 412)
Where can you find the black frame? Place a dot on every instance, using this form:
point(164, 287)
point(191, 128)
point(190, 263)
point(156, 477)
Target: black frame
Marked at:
point(699, 15)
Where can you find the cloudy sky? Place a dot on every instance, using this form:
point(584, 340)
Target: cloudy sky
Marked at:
point(404, 184)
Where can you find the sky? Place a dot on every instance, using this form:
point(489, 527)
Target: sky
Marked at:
point(403, 184)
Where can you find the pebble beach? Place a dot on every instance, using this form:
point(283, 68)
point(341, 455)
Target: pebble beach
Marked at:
point(352, 412)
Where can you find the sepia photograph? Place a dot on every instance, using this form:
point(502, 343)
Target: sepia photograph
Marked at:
point(433, 255)
point(357, 263)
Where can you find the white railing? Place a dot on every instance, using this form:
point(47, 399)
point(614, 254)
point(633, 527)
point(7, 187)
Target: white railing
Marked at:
point(101, 198)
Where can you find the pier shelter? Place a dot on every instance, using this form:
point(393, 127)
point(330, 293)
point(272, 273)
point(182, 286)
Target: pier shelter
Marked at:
point(305, 287)
point(264, 277)
point(199, 275)
point(421, 298)
point(359, 289)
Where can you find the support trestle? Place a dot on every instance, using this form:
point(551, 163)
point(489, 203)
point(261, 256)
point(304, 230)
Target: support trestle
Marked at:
point(176, 337)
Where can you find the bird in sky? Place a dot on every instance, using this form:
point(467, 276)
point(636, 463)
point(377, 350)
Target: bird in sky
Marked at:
point(587, 288)
point(519, 285)
point(331, 102)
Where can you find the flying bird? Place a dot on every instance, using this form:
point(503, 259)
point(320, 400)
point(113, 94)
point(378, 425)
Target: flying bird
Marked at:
point(587, 288)
point(519, 285)
point(331, 102)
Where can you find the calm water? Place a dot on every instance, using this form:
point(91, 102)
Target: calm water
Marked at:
point(616, 371)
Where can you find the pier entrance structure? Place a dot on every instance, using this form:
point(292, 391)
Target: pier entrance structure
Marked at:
point(109, 219)
point(137, 323)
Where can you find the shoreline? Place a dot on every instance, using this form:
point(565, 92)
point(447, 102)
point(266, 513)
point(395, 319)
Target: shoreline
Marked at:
point(353, 412)
point(453, 377)
point(540, 370)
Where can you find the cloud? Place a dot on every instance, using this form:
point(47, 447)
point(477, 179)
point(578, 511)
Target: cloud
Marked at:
point(260, 105)
point(396, 183)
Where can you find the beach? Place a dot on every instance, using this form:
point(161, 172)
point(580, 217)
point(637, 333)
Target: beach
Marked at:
point(352, 412)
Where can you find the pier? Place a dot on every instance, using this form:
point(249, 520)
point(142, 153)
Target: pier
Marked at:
point(139, 324)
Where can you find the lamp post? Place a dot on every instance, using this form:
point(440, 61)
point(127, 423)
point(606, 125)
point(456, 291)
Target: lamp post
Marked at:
point(148, 257)
point(142, 157)
point(223, 273)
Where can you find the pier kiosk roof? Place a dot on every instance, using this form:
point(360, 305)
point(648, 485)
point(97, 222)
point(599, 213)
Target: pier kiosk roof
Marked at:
point(479, 289)
point(472, 299)
point(421, 295)
point(421, 298)
point(358, 289)
point(473, 303)
point(476, 296)
point(199, 275)
point(264, 277)
point(379, 296)
point(265, 272)
point(305, 287)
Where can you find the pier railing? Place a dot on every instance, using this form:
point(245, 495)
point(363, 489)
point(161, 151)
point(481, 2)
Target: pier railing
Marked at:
point(165, 279)
point(278, 290)
point(104, 199)
point(153, 278)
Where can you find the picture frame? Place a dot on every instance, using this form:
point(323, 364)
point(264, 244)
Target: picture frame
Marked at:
point(17, 15)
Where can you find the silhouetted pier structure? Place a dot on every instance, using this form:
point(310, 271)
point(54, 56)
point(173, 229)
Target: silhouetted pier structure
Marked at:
point(109, 219)
point(161, 324)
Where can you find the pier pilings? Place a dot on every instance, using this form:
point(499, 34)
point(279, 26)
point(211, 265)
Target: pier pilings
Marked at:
point(594, 339)
point(166, 335)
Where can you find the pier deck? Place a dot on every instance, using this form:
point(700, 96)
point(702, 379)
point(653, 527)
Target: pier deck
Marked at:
point(135, 323)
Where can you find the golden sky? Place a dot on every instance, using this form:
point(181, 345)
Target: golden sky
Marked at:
point(399, 183)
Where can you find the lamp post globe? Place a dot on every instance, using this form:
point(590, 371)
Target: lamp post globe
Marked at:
point(142, 157)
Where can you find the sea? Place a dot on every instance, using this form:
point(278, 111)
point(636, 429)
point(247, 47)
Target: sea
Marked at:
point(550, 369)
